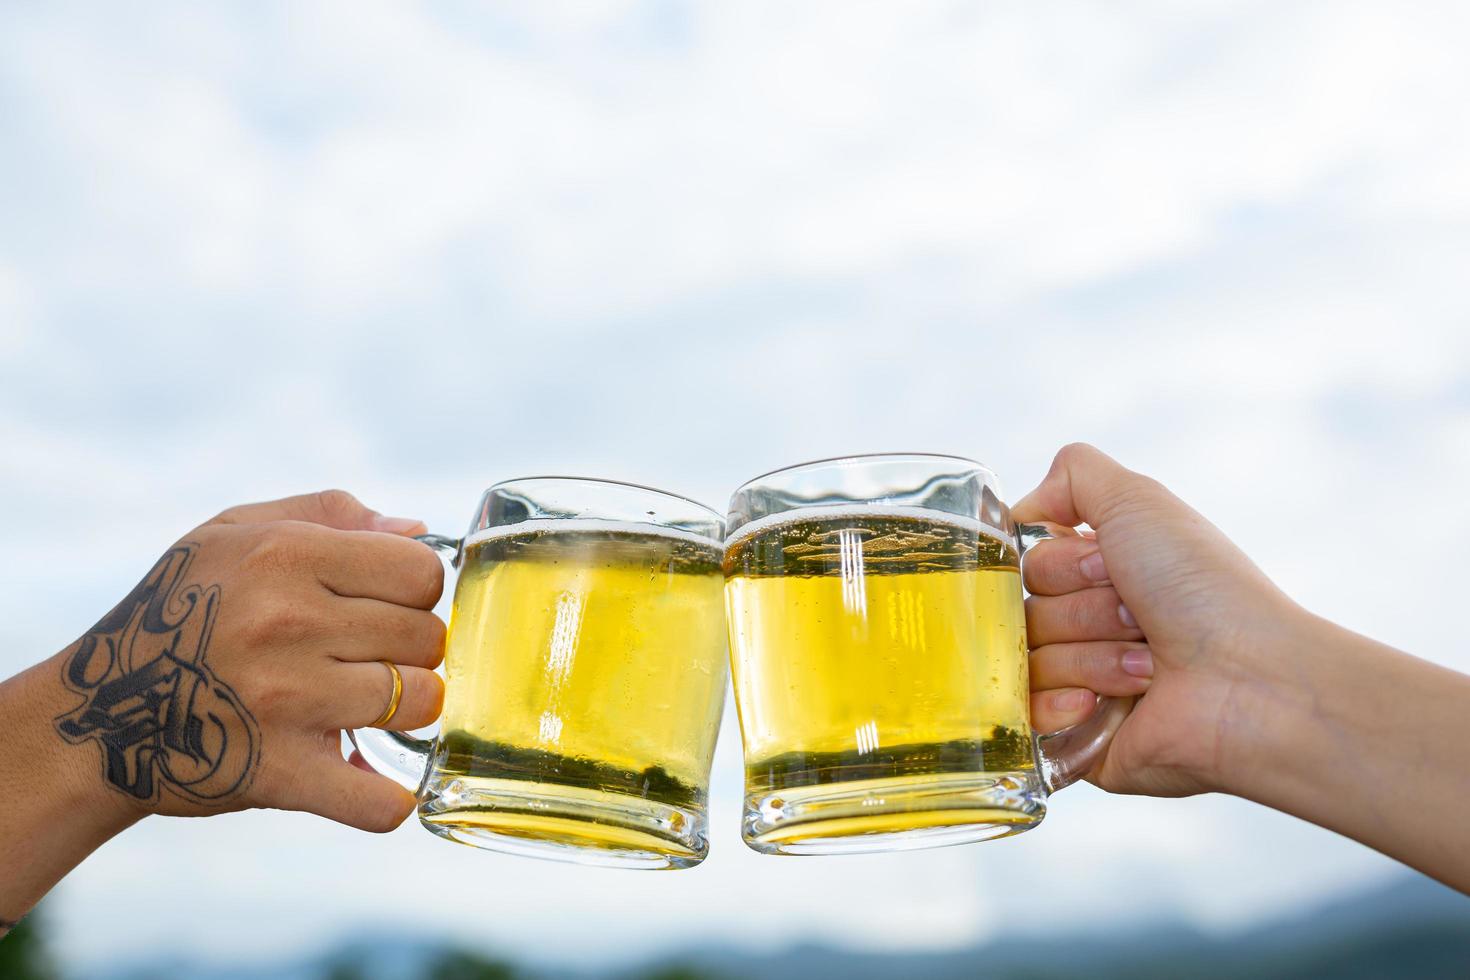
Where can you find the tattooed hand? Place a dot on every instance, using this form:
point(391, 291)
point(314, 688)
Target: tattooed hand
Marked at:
point(221, 682)
point(223, 679)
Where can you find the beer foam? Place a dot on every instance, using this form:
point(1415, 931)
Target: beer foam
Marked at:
point(864, 512)
point(560, 525)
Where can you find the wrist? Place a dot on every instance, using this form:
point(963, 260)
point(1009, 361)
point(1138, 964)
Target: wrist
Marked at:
point(61, 809)
point(1270, 704)
point(1299, 711)
point(71, 774)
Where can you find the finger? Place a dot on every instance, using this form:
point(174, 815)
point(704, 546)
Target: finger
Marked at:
point(1051, 711)
point(362, 692)
point(373, 565)
point(370, 630)
point(1116, 669)
point(356, 759)
point(331, 508)
point(349, 795)
point(1091, 614)
point(1061, 565)
point(1084, 485)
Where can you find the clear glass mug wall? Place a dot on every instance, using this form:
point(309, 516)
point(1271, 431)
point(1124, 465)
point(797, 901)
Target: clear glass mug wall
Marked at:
point(584, 678)
point(878, 649)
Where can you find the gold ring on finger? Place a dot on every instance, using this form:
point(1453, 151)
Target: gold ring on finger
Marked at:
point(392, 708)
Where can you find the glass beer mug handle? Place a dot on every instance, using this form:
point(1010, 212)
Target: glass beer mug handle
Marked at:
point(400, 756)
point(1031, 534)
point(1068, 755)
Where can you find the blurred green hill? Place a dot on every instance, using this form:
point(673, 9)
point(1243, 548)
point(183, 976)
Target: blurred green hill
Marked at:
point(1410, 927)
point(23, 952)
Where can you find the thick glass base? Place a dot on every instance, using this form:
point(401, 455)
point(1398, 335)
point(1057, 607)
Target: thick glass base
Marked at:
point(897, 814)
point(566, 823)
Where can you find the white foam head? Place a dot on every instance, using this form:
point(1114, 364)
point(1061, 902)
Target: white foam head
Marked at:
point(868, 512)
point(565, 525)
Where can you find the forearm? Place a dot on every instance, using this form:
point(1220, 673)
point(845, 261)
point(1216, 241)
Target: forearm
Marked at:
point(56, 809)
point(1362, 739)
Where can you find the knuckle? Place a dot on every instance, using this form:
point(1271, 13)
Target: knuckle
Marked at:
point(430, 571)
point(1076, 456)
point(278, 547)
point(1079, 663)
point(338, 503)
point(225, 538)
point(1102, 665)
point(1106, 608)
point(434, 632)
point(434, 691)
point(416, 635)
point(1076, 450)
point(1052, 565)
point(423, 698)
point(274, 620)
point(1078, 614)
point(269, 693)
point(230, 515)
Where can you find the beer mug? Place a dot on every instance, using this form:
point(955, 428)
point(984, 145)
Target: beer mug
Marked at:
point(878, 649)
point(584, 678)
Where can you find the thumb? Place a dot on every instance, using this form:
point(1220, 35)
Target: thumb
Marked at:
point(356, 796)
point(330, 508)
point(1084, 485)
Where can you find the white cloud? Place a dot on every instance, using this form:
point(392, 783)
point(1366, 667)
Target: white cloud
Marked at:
point(16, 314)
point(414, 250)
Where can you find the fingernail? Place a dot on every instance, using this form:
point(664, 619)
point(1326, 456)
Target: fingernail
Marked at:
point(395, 525)
point(1071, 700)
point(1126, 618)
point(1139, 662)
point(1093, 568)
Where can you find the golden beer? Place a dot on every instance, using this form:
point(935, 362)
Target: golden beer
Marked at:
point(879, 660)
point(585, 674)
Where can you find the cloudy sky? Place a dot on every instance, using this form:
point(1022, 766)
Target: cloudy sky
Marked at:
point(254, 249)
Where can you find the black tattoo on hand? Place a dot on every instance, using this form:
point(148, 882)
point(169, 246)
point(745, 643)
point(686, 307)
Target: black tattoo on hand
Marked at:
point(162, 717)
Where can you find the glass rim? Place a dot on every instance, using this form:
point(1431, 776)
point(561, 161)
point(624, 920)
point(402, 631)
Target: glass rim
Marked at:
point(835, 461)
point(603, 481)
